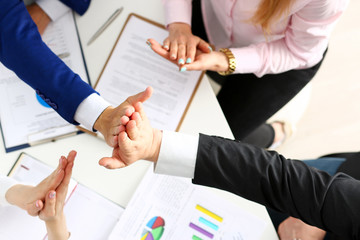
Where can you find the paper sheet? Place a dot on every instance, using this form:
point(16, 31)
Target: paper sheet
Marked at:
point(88, 215)
point(24, 115)
point(133, 66)
point(172, 208)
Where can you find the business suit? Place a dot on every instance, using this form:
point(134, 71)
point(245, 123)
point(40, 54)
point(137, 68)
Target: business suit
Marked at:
point(328, 202)
point(23, 51)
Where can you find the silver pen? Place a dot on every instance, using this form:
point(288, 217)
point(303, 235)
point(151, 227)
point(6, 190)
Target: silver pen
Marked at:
point(105, 25)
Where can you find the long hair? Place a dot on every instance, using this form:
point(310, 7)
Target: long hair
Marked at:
point(270, 11)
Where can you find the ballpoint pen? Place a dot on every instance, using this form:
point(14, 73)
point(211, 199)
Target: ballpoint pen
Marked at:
point(105, 25)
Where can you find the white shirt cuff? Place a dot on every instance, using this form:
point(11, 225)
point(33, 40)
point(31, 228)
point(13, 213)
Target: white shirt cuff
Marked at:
point(5, 184)
point(53, 8)
point(89, 110)
point(177, 155)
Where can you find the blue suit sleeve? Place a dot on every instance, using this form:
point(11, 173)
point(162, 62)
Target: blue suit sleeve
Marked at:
point(23, 51)
point(79, 6)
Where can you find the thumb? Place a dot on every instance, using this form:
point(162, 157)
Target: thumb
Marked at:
point(49, 208)
point(140, 97)
point(35, 207)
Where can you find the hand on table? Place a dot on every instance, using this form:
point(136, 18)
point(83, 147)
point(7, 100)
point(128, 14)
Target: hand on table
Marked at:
point(293, 228)
point(40, 18)
point(110, 122)
point(138, 140)
point(202, 61)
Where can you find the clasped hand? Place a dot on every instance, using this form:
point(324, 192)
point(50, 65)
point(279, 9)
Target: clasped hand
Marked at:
point(136, 139)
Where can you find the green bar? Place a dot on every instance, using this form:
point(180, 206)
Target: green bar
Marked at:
point(196, 238)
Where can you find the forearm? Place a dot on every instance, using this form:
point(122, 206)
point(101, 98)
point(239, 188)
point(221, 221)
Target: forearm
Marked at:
point(178, 11)
point(6, 183)
point(57, 229)
point(284, 185)
point(17, 194)
point(19, 37)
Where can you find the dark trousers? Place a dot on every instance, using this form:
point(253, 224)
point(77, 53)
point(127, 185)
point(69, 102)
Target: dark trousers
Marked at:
point(248, 101)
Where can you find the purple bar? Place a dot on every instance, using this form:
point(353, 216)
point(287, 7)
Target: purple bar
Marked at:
point(199, 229)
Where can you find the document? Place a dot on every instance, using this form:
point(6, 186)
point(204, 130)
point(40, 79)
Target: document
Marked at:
point(165, 207)
point(88, 215)
point(132, 66)
point(25, 118)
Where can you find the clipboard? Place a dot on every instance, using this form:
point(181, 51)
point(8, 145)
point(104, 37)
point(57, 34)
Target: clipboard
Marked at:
point(20, 132)
point(120, 49)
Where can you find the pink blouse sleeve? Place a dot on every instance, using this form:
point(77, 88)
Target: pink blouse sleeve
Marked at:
point(304, 42)
point(177, 11)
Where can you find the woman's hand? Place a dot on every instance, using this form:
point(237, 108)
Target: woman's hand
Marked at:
point(182, 44)
point(214, 61)
point(53, 213)
point(31, 198)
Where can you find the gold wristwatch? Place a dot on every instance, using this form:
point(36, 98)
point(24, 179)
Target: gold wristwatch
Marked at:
point(232, 63)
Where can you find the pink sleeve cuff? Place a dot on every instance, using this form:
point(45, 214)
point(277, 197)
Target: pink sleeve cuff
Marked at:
point(178, 11)
point(247, 60)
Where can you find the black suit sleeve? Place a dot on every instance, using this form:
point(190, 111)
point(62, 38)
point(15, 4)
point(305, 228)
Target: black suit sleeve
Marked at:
point(328, 202)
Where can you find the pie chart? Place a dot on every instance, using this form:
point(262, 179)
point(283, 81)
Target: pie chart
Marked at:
point(154, 229)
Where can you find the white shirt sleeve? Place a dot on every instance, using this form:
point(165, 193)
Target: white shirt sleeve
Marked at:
point(177, 155)
point(89, 110)
point(53, 8)
point(5, 184)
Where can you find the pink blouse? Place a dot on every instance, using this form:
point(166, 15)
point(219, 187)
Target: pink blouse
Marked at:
point(297, 41)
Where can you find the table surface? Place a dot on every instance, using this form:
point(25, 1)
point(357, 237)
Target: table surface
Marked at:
point(204, 115)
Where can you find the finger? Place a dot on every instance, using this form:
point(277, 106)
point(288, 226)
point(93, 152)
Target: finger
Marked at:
point(130, 110)
point(112, 141)
point(124, 120)
point(181, 53)
point(111, 163)
point(71, 156)
point(166, 44)
point(140, 97)
point(173, 50)
point(63, 187)
point(204, 46)
point(140, 109)
point(157, 48)
point(50, 205)
point(190, 53)
point(131, 130)
point(35, 208)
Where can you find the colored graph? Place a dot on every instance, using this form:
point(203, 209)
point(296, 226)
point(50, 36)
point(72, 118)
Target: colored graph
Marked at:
point(207, 224)
point(154, 229)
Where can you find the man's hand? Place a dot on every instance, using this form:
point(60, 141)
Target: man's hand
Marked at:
point(293, 228)
point(110, 122)
point(138, 140)
point(40, 18)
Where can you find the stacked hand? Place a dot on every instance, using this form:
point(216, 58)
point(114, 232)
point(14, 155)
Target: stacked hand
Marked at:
point(188, 51)
point(293, 228)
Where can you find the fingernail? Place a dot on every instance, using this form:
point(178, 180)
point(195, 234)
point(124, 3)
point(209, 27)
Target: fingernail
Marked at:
point(37, 204)
point(166, 47)
point(52, 195)
point(188, 60)
point(173, 56)
point(183, 69)
point(210, 48)
point(148, 43)
point(181, 61)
